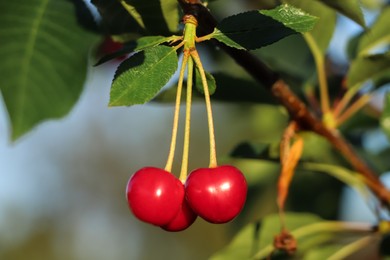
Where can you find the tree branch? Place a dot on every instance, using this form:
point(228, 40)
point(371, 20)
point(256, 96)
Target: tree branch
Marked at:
point(296, 107)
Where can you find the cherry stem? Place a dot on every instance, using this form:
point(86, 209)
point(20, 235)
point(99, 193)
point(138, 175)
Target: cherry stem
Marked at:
point(171, 155)
point(320, 64)
point(353, 247)
point(187, 127)
point(340, 107)
point(355, 107)
point(213, 153)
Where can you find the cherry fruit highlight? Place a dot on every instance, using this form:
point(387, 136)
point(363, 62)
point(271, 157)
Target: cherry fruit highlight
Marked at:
point(216, 194)
point(155, 196)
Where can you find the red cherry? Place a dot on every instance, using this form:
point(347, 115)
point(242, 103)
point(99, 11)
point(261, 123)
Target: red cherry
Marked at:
point(184, 218)
point(109, 49)
point(108, 45)
point(154, 195)
point(216, 194)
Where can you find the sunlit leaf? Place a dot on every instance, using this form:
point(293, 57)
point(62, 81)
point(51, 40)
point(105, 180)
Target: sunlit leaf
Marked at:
point(255, 241)
point(292, 17)
point(170, 12)
point(225, 38)
point(139, 16)
point(139, 78)
point(323, 252)
point(385, 118)
point(115, 18)
point(152, 41)
point(372, 4)
point(348, 177)
point(349, 8)
point(133, 12)
point(324, 28)
point(43, 60)
point(258, 237)
point(254, 29)
point(377, 36)
point(375, 67)
point(157, 16)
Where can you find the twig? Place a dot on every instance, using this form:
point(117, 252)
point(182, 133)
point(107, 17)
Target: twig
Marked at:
point(296, 107)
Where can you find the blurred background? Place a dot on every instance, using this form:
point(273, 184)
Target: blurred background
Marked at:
point(62, 186)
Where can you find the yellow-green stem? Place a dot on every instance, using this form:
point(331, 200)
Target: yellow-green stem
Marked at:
point(171, 155)
point(189, 32)
point(345, 100)
point(320, 65)
point(213, 153)
point(205, 37)
point(179, 45)
point(355, 107)
point(353, 247)
point(187, 127)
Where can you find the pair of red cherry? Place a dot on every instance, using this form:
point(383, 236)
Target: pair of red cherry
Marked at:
point(157, 197)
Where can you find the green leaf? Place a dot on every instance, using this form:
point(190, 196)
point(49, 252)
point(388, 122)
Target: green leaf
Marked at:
point(323, 30)
point(258, 237)
point(318, 149)
point(346, 176)
point(133, 12)
point(372, 4)
point(255, 241)
point(139, 78)
point(352, 248)
point(375, 67)
point(385, 117)
point(139, 45)
point(377, 36)
point(323, 252)
point(297, 67)
point(170, 12)
point(257, 171)
point(224, 38)
point(116, 19)
point(212, 85)
point(139, 16)
point(43, 60)
point(349, 8)
point(292, 17)
point(152, 41)
point(352, 46)
point(157, 16)
point(255, 29)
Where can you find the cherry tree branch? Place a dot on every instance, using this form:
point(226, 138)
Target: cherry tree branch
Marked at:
point(296, 107)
